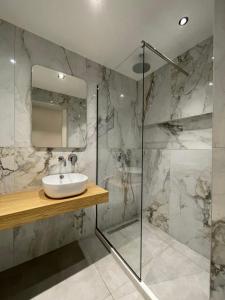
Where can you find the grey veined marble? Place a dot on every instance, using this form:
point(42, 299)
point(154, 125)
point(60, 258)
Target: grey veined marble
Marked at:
point(218, 203)
point(21, 165)
point(177, 149)
point(170, 95)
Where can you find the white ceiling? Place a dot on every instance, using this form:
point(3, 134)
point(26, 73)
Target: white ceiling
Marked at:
point(107, 31)
point(47, 79)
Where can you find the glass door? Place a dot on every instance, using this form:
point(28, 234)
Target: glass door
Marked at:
point(119, 157)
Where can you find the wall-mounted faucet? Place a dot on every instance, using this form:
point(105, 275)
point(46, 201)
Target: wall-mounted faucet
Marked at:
point(72, 158)
point(62, 159)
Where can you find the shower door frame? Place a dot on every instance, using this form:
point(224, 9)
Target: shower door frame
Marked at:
point(98, 231)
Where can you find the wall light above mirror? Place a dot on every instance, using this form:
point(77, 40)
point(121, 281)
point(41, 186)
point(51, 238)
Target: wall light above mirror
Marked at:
point(59, 109)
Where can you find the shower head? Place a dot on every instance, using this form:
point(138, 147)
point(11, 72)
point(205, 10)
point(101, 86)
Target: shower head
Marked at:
point(141, 67)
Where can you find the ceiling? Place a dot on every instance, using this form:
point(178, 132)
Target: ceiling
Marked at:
point(107, 31)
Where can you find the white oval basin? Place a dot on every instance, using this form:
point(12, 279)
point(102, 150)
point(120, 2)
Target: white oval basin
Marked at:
point(64, 185)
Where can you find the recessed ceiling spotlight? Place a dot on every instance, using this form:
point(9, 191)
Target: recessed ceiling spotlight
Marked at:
point(183, 21)
point(61, 76)
point(122, 96)
point(210, 83)
point(213, 57)
point(12, 61)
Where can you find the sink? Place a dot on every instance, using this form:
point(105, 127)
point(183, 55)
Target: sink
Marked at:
point(64, 185)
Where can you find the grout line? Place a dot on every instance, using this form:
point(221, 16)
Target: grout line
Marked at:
point(102, 278)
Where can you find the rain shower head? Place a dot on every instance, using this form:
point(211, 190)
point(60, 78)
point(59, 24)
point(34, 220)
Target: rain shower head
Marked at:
point(141, 67)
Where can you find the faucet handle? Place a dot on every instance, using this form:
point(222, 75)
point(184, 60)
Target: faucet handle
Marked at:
point(72, 158)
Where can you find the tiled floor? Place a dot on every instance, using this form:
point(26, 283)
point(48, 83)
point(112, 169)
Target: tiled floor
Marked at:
point(84, 271)
point(170, 269)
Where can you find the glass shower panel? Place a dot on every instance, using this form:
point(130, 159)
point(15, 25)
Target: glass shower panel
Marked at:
point(119, 160)
point(177, 173)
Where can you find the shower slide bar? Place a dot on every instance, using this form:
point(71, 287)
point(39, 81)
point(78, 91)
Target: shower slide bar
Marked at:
point(153, 49)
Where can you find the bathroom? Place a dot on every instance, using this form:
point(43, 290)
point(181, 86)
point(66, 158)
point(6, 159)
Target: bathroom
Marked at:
point(112, 149)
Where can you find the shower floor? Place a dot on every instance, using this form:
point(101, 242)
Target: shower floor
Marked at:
point(169, 268)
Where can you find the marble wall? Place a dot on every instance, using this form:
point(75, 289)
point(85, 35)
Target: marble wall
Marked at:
point(21, 165)
point(218, 204)
point(177, 148)
point(119, 149)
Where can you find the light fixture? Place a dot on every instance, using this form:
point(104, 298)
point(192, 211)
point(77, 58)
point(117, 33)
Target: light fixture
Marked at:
point(213, 57)
point(96, 2)
point(12, 61)
point(61, 75)
point(122, 96)
point(210, 83)
point(183, 21)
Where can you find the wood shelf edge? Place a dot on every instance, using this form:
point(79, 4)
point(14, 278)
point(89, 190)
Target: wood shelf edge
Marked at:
point(21, 217)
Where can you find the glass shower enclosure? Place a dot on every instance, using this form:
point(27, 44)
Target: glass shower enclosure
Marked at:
point(120, 151)
point(154, 133)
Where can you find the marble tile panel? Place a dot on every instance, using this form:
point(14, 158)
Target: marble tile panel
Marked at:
point(7, 33)
point(156, 187)
point(218, 260)
point(7, 168)
point(109, 298)
point(218, 174)
point(219, 75)
point(185, 95)
point(190, 199)
point(22, 91)
point(189, 133)
point(29, 241)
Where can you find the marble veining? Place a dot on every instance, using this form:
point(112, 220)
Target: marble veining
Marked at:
point(170, 95)
point(118, 141)
point(187, 133)
point(177, 152)
point(177, 148)
point(218, 204)
point(21, 165)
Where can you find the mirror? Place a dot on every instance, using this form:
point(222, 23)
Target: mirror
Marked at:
point(59, 109)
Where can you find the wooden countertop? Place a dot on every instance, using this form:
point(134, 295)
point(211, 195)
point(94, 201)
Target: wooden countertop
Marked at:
point(25, 207)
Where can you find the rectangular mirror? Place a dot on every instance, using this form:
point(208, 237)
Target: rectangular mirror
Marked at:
point(59, 109)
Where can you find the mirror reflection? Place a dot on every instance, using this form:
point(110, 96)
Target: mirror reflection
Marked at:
point(59, 109)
